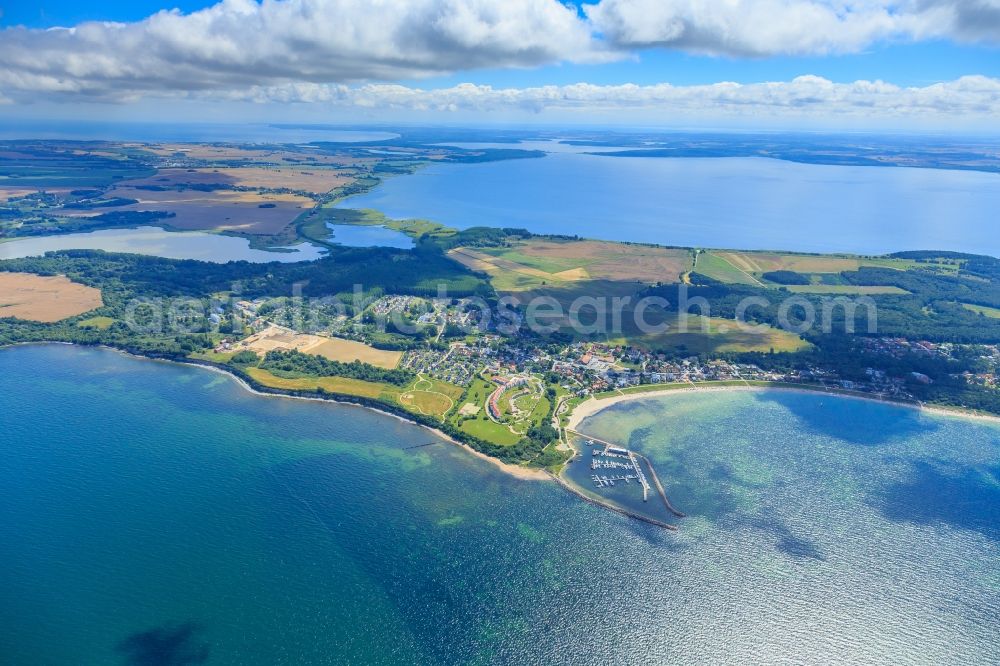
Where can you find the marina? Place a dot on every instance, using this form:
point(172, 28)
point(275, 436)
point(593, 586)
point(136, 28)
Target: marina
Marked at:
point(613, 472)
point(611, 453)
point(247, 515)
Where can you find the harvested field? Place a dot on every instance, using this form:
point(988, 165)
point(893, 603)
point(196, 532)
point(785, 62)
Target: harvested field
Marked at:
point(506, 275)
point(603, 260)
point(338, 349)
point(763, 262)
point(221, 210)
point(317, 179)
point(335, 349)
point(7, 193)
point(45, 298)
point(232, 153)
point(534, 263)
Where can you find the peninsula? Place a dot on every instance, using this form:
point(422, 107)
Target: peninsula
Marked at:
point(500, 340)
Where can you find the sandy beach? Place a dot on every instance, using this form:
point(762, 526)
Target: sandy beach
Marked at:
point(582, 411)
point(594, 405)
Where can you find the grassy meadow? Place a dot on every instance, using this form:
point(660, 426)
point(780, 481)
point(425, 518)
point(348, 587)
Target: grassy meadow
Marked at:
point(568, 270)
point(993, 313)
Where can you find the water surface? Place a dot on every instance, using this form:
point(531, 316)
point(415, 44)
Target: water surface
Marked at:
point(745, 203)
point(158, 514)
point(354, 235)
point(158, 242)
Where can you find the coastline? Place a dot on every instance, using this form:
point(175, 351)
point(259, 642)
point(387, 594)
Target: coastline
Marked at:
point(593, 406)
point(516, 471)
point(523, 473)
point(580, 413)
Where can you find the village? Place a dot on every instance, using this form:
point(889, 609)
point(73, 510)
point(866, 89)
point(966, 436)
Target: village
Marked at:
point(444, 342)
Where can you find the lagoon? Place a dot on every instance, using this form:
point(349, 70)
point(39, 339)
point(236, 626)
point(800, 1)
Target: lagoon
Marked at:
point(738, 202)
point(240, 529)
point(357, 235)
point(158, 242)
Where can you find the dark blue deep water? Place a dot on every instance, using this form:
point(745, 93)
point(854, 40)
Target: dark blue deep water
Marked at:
point(159, 514)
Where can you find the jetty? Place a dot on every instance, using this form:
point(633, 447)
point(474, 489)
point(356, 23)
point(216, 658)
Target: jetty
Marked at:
point(659, 487)
point(611, 507)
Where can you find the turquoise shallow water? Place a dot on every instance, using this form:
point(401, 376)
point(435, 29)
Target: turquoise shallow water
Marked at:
point(160, 514)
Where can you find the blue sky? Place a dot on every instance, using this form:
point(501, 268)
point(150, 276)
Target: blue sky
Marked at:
point(603, 49)
point(908, 65)
point(50, 13)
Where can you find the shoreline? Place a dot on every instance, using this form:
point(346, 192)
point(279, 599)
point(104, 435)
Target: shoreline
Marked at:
point(580, 413)
point(516, 471)
point(593, 406)
point(523, 473)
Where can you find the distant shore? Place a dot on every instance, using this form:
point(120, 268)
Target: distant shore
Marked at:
point(592, 406)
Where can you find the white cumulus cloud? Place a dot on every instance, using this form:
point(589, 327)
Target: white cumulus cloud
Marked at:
point(790, 27)
point(239, 43)
point(805, 96)
point(241, 47)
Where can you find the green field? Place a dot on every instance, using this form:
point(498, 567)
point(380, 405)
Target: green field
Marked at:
point(485, 429)
point(100, 323)
point(540, 262)
point(481, 425)
point(993, 313)
point(849, 289)
point(735, 267)
point(213, 356)
point(717, 340)
point(546, 264)
point(533, 406)
point(424, 402)
point(342, 385)
point(429, 396)
point(717, 268)
point(71, 172)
